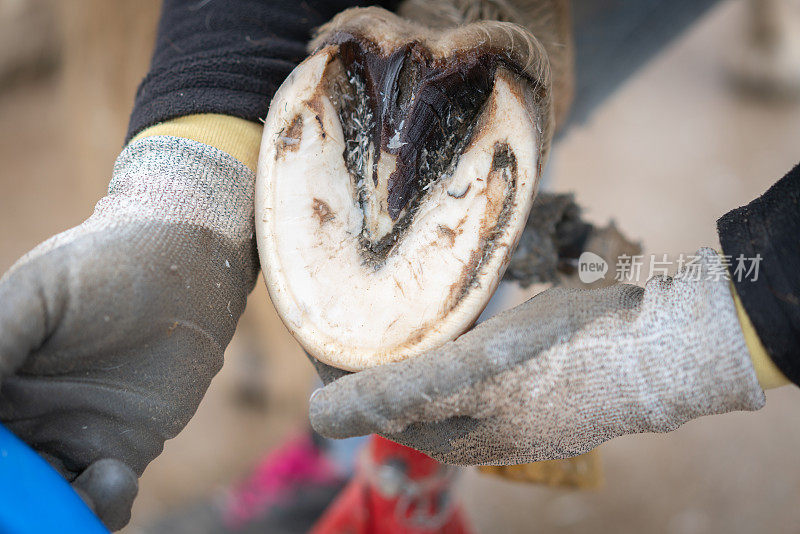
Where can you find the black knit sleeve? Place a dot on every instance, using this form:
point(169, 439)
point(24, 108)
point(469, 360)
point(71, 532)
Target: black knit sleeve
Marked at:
point(227, 56)
point(769, 229)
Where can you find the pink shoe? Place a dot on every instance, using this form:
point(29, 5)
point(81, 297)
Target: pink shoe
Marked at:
point(298, 463)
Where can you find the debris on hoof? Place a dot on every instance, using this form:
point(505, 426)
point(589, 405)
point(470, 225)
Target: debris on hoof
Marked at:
point(554, 239)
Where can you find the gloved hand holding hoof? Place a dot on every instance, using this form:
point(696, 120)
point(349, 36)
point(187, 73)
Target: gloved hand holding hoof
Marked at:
point(111, 331)
point(560, 374)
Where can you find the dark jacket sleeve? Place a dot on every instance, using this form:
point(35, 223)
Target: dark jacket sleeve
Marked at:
point(227, 56)
point(769, 228)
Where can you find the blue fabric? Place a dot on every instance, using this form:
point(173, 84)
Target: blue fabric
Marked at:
point(34, 498)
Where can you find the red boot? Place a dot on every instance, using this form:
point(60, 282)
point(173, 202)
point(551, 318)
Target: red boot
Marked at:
point(396, 490)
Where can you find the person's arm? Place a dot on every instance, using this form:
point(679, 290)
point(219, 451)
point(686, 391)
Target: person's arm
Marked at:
point(111, 331)
point(768, 230)
point(227, 58)
point(570, 369)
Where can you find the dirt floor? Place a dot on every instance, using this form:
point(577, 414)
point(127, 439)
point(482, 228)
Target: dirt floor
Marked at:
point(671, 152)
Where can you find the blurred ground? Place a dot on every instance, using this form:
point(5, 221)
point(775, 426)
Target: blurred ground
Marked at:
point(671, 152)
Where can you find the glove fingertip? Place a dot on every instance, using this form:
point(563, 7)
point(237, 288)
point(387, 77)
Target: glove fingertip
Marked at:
point(339, 412)
point(325, 418)
point(109, 486)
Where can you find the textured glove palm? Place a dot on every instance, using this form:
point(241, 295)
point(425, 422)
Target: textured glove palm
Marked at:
point(111, 332)
point(559, 375)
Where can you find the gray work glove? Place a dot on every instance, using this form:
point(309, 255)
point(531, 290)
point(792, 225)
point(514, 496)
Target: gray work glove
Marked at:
point(111, 331)
point(560, 374)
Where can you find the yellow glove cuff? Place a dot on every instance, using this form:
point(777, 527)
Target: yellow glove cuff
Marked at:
point(238, 137)
point(769, 376)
